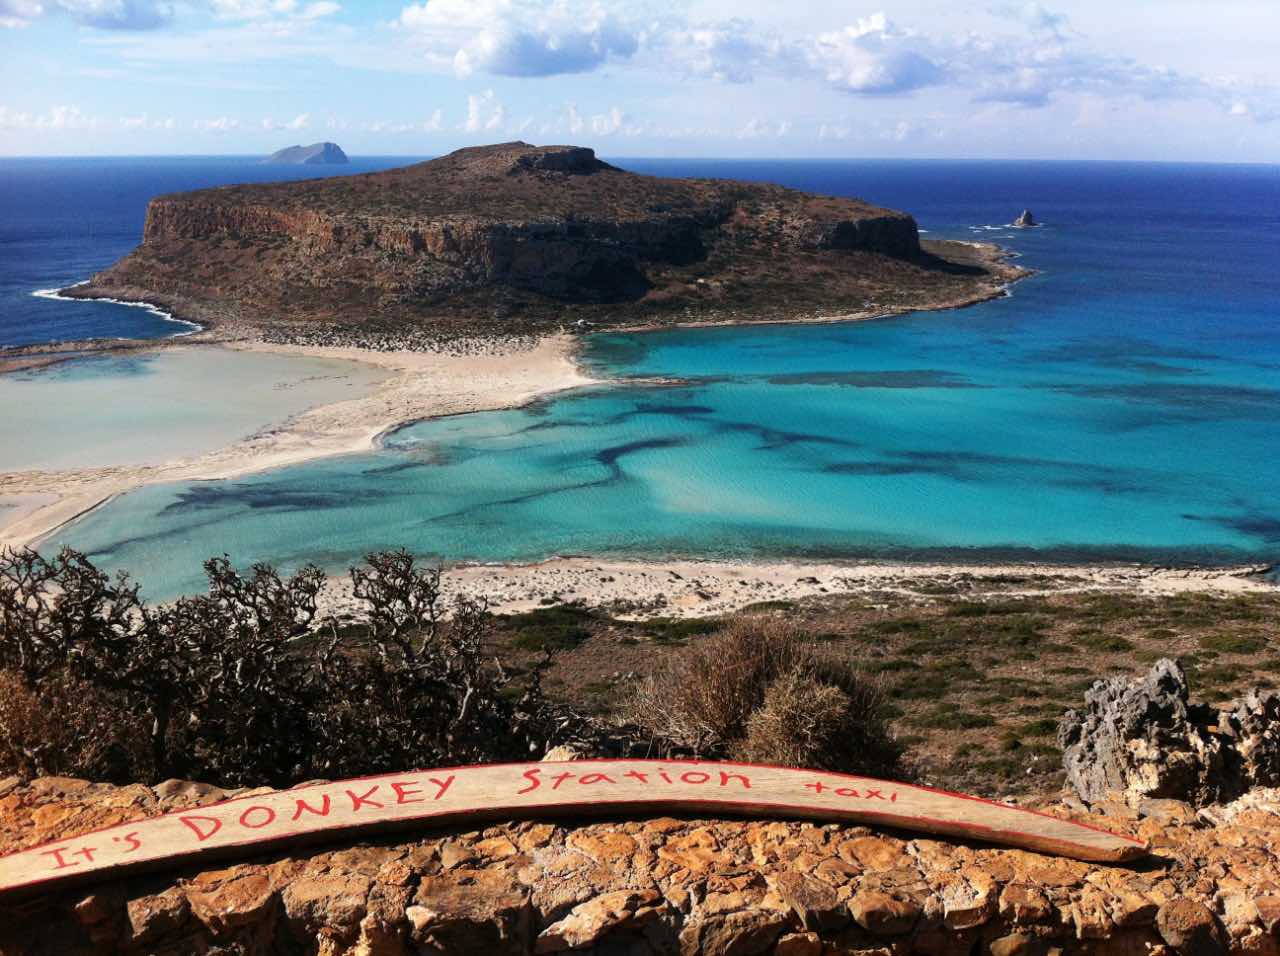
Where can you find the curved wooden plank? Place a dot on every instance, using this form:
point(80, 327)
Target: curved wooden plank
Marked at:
point(577, 788)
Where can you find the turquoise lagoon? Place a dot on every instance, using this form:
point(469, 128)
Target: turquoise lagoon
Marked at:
point(1120, 405)
point(135, 409)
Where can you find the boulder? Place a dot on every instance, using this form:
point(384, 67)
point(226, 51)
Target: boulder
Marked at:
point(1144, 743)
point(1026, 220)
point(1142, 738)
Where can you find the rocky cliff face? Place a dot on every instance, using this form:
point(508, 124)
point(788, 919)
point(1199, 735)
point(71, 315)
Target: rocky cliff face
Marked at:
point(657, 886)
point(518, 232)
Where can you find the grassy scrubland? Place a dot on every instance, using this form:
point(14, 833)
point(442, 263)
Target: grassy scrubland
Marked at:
point(972, 688)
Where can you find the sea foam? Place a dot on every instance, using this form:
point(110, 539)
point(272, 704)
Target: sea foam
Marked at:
point(192, 327)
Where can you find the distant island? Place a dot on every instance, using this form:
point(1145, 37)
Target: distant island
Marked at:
point(317, 154)
point(521, 239)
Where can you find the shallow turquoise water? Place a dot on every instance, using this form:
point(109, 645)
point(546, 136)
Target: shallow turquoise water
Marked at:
point(1120, 405)
point(154, 407)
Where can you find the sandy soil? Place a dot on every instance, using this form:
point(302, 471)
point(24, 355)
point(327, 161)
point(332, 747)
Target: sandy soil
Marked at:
point(638, 590)
point(422, 385)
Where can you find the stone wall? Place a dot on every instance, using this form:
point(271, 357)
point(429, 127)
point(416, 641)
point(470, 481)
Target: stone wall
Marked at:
point(650, 886)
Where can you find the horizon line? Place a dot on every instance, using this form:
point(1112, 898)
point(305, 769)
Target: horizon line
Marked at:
point(709, 158)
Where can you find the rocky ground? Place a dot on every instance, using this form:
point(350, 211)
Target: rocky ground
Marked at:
point(642, 886)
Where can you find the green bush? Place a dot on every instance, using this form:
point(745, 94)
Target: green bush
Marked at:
point(1233, 643)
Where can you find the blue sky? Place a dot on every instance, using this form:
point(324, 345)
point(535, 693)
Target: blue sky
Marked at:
point(1089, 79)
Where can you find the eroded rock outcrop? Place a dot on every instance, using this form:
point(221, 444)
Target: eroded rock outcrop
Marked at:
point(1144, 739)
point(653, 886)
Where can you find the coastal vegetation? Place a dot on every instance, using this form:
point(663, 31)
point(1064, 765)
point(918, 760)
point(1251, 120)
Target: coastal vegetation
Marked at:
point(254, 683)
point(973, 675)
point(248, 684)
point(245, 685)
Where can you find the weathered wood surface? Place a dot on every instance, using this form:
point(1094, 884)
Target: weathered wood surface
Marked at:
point(578, 788)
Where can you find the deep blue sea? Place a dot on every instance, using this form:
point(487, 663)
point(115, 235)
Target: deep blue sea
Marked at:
point(61, 220)
point(1123, 404)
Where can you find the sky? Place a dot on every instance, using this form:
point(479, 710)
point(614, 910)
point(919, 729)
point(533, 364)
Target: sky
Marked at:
point(1073, 79)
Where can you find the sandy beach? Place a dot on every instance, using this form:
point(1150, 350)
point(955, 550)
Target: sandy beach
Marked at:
point(646, 589)
point(479, 377)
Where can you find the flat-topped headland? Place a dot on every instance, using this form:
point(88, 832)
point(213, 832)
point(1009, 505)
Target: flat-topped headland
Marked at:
point(520, 239)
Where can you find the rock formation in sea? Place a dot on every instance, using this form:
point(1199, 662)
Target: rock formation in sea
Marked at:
point(317, 154)
point(1025, 220)
point(519, 238)
point(650, 886)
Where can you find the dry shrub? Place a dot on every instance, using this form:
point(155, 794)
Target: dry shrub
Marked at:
point(797, 723)
point(68, 727)
point(759, 691)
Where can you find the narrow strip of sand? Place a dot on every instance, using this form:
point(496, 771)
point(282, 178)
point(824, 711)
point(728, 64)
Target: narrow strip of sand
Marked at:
point(479, 377)
point(646, 589)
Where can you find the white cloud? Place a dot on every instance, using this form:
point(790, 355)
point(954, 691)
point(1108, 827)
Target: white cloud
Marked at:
point(732, 51)
point(433, 124)
point(756, 128)
point(223, 124)
point(55, 118)
point(606, 124)
point(873, 56)
point(144, 122)
point(251, 9)
point(484, 112)
point(299, 122)
point(1035, 16)
point(117, 14)
point(519, 37)
point(314, 11)
point(279, 10)
point(19, 13)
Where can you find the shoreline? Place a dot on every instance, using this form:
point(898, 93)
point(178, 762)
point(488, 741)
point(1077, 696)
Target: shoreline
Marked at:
point(485, 374)
point(419, 385)
point(162, 313)
point(643, 589)
point(476, 374)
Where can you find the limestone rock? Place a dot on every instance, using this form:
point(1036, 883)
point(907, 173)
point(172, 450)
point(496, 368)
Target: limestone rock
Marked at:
point(1143, 742)
point(816, 904)
point(592, 921)
point(225, 900)
point(1190, 928)
point(882, 915)
point(480, 911)
point(1253, 726)
point(744, 933)
point(332, 901)
point(1142, 738)
point(151, 918)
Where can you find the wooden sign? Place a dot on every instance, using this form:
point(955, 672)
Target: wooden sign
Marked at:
point(505, 791)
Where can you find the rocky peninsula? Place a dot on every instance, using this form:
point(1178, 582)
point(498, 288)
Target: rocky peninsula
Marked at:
point(518, 239)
